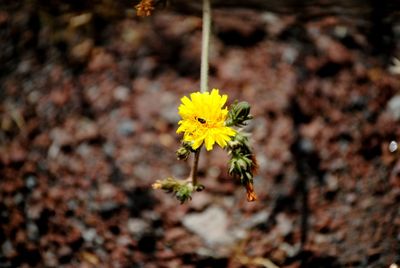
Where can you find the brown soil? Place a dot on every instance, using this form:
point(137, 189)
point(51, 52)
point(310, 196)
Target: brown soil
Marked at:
point(88, 101)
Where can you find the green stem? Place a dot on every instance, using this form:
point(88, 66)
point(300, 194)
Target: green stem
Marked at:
point(205, 45)
point(193, 172)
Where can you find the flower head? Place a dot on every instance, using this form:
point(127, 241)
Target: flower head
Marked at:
point(203, 120)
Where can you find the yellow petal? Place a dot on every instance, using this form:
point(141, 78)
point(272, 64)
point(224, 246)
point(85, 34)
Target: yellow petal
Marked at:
point(209, 141)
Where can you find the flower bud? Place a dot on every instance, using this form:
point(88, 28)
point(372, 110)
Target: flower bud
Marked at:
point(182, 190)
point(243, 110)
point(184, 193)
point(242, 164)
point(238, 114)
point(182, 153)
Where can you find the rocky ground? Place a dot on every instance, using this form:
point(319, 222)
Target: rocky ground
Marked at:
point(88, 103)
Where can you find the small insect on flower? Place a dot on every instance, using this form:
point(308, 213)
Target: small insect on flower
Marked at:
point(203, 120)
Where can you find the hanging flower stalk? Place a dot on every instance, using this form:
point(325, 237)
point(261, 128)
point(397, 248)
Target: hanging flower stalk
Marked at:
point(207, 121)
point(243, 163)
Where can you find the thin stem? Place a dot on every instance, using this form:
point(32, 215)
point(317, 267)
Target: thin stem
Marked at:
point(203, 74)
point(205, 45)
point(193, 172)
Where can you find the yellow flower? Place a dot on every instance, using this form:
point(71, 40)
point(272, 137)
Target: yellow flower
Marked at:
point(203, 120)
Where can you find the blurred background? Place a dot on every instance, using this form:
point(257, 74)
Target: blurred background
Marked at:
point(88, 113)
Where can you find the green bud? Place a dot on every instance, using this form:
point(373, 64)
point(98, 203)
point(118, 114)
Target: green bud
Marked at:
point(238, 165)
point(243, 110)
point(239, 145)
point(184, 193)
point(248, 176)
point(238, 114)
point(240, 138)
point(242, 164)
point(182, 190)
point(182, 153)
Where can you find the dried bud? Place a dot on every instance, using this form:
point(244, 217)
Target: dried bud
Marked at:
point(144, 8)
point(251, 195)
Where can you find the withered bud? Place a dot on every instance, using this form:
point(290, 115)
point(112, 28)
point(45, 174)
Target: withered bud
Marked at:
point(144, 8)
point(251, 195)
